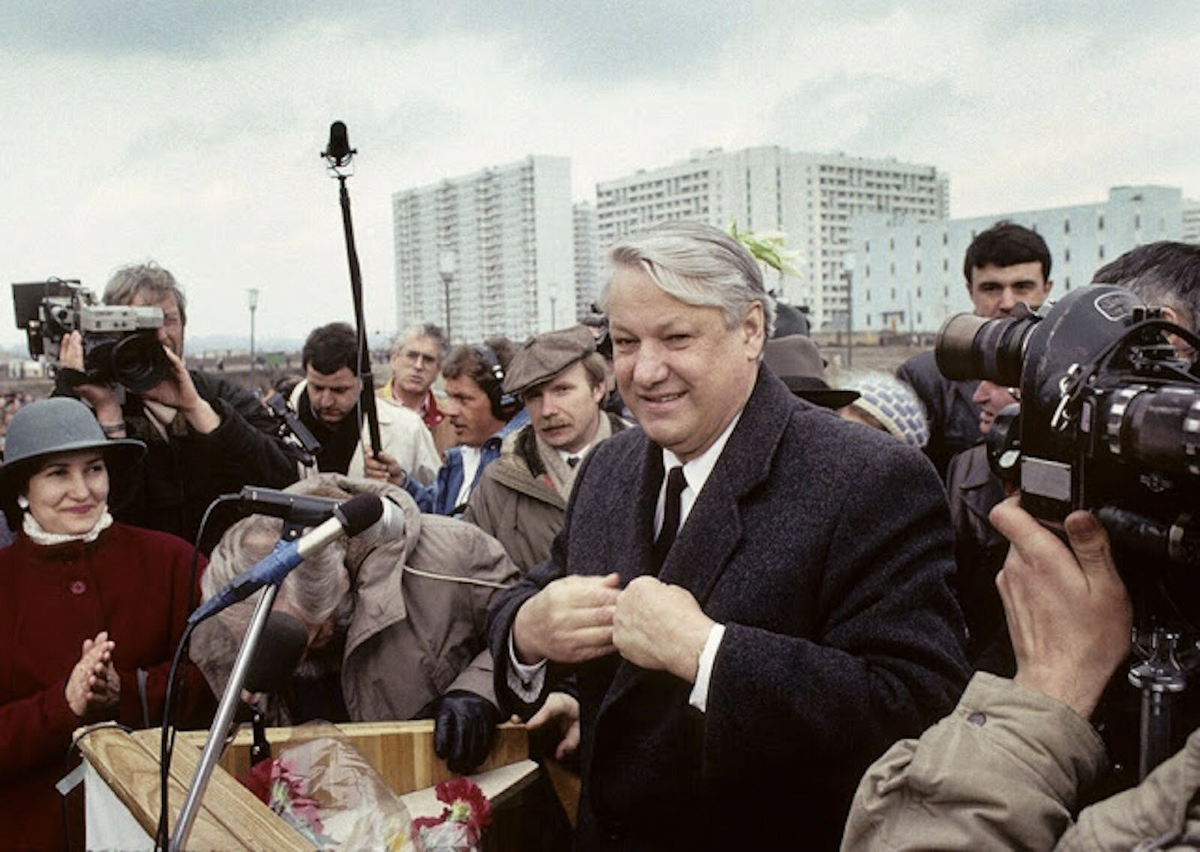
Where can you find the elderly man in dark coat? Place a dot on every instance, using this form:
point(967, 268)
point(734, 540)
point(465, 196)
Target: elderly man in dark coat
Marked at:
point(752, 594)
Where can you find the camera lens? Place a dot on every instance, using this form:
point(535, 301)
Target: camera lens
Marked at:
point(972, 347)
point(138, 362)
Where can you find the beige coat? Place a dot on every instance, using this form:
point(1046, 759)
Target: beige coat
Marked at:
point(517, 499)
point(418, 628)
point(1003, 771)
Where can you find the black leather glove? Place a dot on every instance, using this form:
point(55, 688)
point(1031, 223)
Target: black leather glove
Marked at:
point(464, 725)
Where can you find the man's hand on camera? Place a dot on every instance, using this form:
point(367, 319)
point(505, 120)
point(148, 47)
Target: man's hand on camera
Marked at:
point(1068, 613)
point(178, 391)
point(101, 397)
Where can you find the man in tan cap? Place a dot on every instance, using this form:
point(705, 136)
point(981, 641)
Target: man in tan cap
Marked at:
point(521, 497)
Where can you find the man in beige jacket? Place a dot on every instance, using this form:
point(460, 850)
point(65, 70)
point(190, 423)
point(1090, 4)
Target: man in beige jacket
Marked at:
point(1005, 770)
point(395, 629)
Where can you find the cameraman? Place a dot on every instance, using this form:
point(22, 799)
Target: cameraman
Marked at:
point(1007, 767)
point(1165, 274)
point(204, 434)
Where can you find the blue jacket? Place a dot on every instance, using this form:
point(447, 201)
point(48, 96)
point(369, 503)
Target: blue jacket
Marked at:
point(438, 498)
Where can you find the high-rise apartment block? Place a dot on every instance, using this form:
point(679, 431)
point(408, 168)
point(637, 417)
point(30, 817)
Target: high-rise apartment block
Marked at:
point(908, 275)
point(491, 253)
point(587, 260)
point(811, 197)
point(1191, 221)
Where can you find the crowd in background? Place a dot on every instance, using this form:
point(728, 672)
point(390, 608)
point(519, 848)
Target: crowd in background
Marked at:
point(693, 573)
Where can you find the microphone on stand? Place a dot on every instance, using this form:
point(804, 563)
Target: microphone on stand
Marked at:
point(283, 642)
point(350, 518)
point(310, 510)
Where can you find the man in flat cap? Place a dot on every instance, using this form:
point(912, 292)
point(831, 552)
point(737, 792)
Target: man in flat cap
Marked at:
point(521, 497)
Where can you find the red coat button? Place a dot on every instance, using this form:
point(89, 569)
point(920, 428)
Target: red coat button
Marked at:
point(78, 587)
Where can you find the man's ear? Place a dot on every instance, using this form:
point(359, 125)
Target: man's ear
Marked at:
point(754, 326)
point(1049, 286)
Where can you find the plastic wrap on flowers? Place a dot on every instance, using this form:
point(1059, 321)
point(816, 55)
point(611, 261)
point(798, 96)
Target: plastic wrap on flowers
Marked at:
point(461, 824)
point(324, 788)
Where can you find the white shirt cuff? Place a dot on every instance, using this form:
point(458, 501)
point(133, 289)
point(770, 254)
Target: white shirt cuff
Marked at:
point(526, 681)
point(708, 656)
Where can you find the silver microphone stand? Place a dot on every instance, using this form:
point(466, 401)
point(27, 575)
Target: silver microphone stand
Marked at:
point(218, 733)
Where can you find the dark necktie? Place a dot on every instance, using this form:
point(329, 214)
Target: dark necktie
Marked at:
point(572, 462)
point(671, 511)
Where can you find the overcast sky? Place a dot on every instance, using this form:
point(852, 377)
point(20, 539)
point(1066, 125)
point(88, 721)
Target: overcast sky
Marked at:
point(190, 132)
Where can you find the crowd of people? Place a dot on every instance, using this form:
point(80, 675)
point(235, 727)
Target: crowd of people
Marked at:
point(720, 578)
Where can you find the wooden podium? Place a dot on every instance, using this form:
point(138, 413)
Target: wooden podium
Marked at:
point(230, 817)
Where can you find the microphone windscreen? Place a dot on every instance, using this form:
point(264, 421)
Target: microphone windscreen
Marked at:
point(389, 527)
point(359, 512)
point(283, 642)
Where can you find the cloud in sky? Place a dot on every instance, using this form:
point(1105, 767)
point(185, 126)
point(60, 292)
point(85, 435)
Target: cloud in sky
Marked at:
point(190, 132)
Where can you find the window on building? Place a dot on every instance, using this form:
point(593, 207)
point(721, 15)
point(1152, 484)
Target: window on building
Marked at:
point(893, 294)
point(1066, 226)
point(918, 267)
point(1067, 254)
point(1137, 221)
point(918, 240)
point(918, 292)
point(1102, 252)
point(1067, 283)
point(1100, 223)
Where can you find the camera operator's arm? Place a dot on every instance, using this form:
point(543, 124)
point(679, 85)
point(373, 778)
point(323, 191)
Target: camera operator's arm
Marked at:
point(179, 392)
point(102, 398)
point(1005, 769)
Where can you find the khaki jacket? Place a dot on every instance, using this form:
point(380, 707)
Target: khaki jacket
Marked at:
point(418, 628)
point(516, 500)
point(1003, 771)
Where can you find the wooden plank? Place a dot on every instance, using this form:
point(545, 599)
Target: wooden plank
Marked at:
point(132, 773)
point(499, 785)
point(401, 752)
point(231, 804)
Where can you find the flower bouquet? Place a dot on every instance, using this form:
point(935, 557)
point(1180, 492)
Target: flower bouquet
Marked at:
point(324, 788)
point(461, 824)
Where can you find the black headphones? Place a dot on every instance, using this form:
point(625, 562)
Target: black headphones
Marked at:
point(504, 405)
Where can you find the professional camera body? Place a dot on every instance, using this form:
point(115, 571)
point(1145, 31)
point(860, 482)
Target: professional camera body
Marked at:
point(120, 343)
point(1108, 419)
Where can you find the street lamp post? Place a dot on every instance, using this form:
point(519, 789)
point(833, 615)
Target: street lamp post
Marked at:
point(848, 261)
point(447, 266)
point(252, 298)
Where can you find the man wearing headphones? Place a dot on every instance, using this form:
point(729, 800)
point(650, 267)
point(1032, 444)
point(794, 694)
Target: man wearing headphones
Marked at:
point(482, 415)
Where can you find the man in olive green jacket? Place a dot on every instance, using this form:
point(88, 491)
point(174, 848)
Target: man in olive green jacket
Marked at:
point(1006, 768)
point(521, 497)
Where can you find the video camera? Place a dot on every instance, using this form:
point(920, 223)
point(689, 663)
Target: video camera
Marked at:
point(1108, 419)
point(120, 343)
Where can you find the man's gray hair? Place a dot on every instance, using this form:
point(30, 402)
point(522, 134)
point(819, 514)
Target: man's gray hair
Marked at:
point(699, 265)
point(1164, 274)
point(423, 329)
point(144, 278)
point(319, 587)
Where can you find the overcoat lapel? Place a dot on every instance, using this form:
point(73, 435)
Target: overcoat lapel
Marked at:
point(713, 528)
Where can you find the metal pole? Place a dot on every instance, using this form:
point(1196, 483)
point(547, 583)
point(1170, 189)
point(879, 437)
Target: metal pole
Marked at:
point(215, 744)
point(849, 318)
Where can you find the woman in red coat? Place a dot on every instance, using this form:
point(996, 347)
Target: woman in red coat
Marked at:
point(90, 612)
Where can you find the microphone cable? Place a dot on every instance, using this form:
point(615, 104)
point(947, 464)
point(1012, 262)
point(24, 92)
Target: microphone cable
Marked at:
point(170, 702)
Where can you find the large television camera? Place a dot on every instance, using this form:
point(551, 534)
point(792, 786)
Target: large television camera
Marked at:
point(120, 343)
point(1108, 419)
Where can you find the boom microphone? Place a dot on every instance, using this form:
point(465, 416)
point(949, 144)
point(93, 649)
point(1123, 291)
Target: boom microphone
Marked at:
point(349, 518)
point(338, 152)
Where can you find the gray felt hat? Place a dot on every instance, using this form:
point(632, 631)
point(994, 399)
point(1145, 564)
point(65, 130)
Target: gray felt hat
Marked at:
point(59, 425)
point(797, 360)
point(543, 357)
